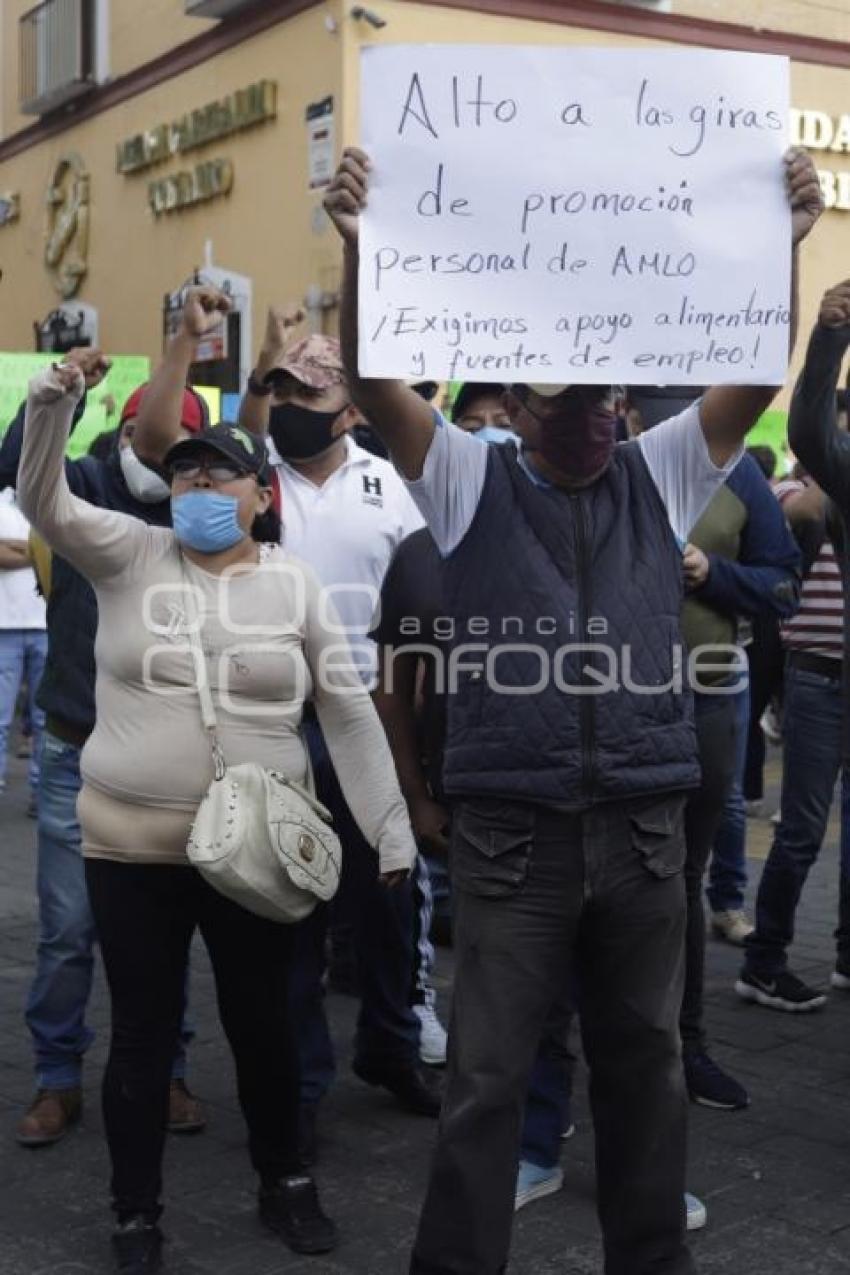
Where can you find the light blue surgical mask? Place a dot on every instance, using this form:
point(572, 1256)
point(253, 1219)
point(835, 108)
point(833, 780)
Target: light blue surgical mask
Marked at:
point(494, 434)
point(206, 521)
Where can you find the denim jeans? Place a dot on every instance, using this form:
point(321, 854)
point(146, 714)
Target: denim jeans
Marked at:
point(715, 722)
point(544, 901)
point(766, 661)
point(842, 933)
point(56, 1006)
point(383, 929)
point(728, 871)
point(810, 767)
point(22, 656)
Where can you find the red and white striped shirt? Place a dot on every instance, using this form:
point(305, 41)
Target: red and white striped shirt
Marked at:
point(818, 626)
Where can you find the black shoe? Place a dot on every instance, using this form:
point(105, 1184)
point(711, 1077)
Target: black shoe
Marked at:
point(783, 991)
point(308, 1138)
point(710, 1086)
point(137, 1245)
point(414, 1090)
point(292, 1210)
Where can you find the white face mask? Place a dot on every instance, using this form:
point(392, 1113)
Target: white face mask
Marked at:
point(142, 482)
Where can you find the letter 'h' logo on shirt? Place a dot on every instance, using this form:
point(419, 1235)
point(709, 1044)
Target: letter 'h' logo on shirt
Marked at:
point(372, 494)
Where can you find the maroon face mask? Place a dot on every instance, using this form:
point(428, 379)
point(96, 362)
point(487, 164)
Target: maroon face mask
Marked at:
point(580, 441)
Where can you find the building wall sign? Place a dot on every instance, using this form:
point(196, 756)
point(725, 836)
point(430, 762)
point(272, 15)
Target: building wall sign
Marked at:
point(66, 248)
point(10, 207)
point(233, 114)
point(817, 131)
point(183, 190)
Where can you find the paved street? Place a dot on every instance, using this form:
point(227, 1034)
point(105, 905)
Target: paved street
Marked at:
point(776, 1179)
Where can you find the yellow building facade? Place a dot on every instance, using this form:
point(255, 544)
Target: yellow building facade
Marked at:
point(143, 141)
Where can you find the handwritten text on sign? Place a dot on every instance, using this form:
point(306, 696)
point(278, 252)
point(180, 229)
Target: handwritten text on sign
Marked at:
point(574, 215)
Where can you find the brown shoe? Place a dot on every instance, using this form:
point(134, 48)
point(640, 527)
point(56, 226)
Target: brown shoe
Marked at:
point(185, 1112)
point(49, 1117)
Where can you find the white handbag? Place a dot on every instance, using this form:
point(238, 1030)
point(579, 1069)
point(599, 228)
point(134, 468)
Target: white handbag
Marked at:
point(259, 838)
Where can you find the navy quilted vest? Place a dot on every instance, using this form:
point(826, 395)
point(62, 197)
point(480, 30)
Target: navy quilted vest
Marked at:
point(539, 574)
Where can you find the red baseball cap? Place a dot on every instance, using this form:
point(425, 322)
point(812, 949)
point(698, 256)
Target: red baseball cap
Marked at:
point(193, 415)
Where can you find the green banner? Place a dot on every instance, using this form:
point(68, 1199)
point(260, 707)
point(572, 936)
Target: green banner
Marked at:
point(103, 409)
point(771, 430)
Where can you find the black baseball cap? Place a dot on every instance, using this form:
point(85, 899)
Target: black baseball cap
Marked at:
point(469, 392)
point(246, 450)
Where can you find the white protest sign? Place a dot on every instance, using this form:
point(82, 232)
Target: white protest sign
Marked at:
point(574, 215)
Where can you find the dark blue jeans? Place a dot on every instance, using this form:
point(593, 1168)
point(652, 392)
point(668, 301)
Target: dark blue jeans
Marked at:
point(811, 762)
point(22, 656)
point(715, 722)
point(383, 931)
point(728, 871)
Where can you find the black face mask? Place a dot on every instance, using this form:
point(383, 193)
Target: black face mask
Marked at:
point(299, 433)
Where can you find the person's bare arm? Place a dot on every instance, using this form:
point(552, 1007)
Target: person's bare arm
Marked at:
point(403, 420)
point(395, 700)
point(728, 412)
point(161, 410)
point(281, 324)
point(14, 555)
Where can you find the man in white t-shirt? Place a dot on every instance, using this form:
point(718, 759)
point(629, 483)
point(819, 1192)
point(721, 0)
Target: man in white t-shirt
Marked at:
point(23, 635)
point(570, 748)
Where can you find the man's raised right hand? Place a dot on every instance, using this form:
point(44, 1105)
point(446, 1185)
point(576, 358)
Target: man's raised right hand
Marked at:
point(346, 195)
point(203, 310)
point(835, 306)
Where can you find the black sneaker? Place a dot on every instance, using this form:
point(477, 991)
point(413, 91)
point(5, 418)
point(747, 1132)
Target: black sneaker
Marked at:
point(710, 1086)
point(292, 1210)
point(137, 1245)
point(412, 1088)
point(783, 991)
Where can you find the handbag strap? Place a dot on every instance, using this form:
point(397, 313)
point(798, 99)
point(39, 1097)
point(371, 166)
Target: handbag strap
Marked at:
point(202, 681)
point(202, 685)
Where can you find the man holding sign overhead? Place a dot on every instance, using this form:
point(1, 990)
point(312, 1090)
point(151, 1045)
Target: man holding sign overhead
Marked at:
point(570, 748)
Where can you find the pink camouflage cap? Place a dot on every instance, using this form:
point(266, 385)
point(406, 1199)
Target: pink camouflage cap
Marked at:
point(316, 362)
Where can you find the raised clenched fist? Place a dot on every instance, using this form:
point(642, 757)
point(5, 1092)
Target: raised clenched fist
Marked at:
point(93, 364)
point(346, 195)
point(203, 310)
point(835, 307)
point(804, 192)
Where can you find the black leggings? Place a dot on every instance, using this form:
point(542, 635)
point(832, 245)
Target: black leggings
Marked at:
point(145, 916)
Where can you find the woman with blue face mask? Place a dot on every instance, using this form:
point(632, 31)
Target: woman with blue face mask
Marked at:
point(479, 410)
point(270, 643)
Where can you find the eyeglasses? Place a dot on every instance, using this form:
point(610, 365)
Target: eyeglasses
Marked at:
point(219, 471)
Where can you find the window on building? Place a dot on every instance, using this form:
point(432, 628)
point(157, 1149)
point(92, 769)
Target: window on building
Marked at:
point(63, 52)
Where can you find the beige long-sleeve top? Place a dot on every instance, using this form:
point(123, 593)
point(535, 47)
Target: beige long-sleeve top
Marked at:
point(271, 642)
